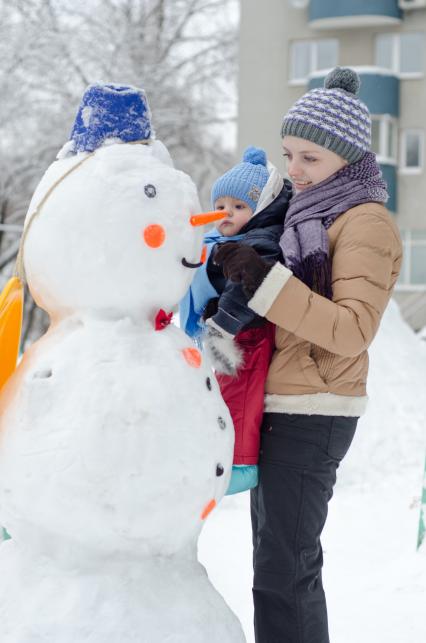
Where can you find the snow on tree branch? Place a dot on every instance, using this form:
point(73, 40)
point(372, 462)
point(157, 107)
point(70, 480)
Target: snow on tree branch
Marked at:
point(182, 52)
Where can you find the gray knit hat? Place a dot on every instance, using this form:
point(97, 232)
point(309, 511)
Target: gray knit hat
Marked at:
point(333, 116)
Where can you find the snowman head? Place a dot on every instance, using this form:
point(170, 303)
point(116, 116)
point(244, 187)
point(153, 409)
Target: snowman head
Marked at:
point(108, 228)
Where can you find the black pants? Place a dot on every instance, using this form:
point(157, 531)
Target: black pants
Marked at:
point(299, 457)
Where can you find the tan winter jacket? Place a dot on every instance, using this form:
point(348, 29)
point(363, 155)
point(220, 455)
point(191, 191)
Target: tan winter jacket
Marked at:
point(320, 364)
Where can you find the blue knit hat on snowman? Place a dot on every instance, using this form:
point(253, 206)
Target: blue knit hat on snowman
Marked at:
point(244, 181)
point(118, 113)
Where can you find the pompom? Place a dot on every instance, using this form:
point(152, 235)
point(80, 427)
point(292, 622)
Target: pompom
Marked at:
point(255, 155)
point(343, 78)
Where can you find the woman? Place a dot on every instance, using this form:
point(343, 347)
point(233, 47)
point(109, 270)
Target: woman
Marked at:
point(342, 254)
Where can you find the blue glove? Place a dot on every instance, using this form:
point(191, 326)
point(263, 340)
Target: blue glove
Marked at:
point(243, 477)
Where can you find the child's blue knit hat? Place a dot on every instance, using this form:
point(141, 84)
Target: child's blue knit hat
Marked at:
point(110, 112)
point(244, 181)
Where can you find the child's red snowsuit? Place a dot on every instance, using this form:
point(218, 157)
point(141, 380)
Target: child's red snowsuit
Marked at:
point(244, 393)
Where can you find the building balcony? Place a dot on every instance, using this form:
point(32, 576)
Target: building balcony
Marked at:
point(390, 176)
point(345, 14)
point(379, 89)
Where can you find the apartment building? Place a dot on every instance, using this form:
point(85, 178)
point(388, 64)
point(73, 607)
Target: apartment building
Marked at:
point(288, 46)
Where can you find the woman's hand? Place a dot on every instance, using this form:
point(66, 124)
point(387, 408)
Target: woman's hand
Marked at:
point(242, 264)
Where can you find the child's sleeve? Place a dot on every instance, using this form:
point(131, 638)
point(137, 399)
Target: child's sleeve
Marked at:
point(233, 311)
point(191, 307)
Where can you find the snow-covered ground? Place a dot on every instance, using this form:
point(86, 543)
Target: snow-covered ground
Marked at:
point(375, 580)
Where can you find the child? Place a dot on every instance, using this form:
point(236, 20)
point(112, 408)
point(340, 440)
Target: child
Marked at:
point(238, 341)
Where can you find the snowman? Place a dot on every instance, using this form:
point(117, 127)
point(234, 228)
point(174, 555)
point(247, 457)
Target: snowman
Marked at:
point(115, 444)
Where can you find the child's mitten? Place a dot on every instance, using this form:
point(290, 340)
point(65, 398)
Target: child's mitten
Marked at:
point(243, 477)
point(211, 308)
point(225, 355)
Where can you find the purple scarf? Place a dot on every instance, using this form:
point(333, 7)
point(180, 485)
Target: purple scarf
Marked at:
point(304, 241)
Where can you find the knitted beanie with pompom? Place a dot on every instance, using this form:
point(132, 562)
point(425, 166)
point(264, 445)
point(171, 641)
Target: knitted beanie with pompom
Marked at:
point(333, 116)
point(244, 181)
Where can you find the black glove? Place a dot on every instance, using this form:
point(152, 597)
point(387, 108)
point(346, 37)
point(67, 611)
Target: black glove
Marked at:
point(242, 264)
point(211, 308)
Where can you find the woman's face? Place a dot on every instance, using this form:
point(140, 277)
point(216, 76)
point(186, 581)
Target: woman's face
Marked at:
point(309, 163)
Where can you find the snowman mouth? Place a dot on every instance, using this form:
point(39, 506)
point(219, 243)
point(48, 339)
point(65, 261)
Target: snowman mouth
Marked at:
point(188, 264)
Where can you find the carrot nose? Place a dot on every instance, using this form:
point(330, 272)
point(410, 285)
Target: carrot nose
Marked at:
point(207, 217)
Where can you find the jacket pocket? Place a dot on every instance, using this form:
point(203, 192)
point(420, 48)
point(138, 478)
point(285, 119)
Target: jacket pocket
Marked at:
point(309, 367)
point(324, 361)
point(287, 440)
point(341, 436)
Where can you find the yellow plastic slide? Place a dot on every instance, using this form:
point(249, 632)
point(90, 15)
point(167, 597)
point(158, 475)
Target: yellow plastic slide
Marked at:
point(11, 310)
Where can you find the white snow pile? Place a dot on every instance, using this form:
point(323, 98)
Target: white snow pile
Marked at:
point(375, 580)
point(391, 437)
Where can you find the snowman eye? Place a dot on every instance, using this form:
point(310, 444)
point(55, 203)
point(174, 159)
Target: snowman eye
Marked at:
point(150, 190)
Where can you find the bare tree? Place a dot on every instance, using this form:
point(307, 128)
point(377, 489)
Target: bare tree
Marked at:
point(183, 52)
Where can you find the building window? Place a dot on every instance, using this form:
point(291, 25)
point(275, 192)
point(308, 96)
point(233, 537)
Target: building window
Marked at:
point(383, 138)
point(413, 271)
point(401, 53)
point(307, 56)
point(412, 151)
